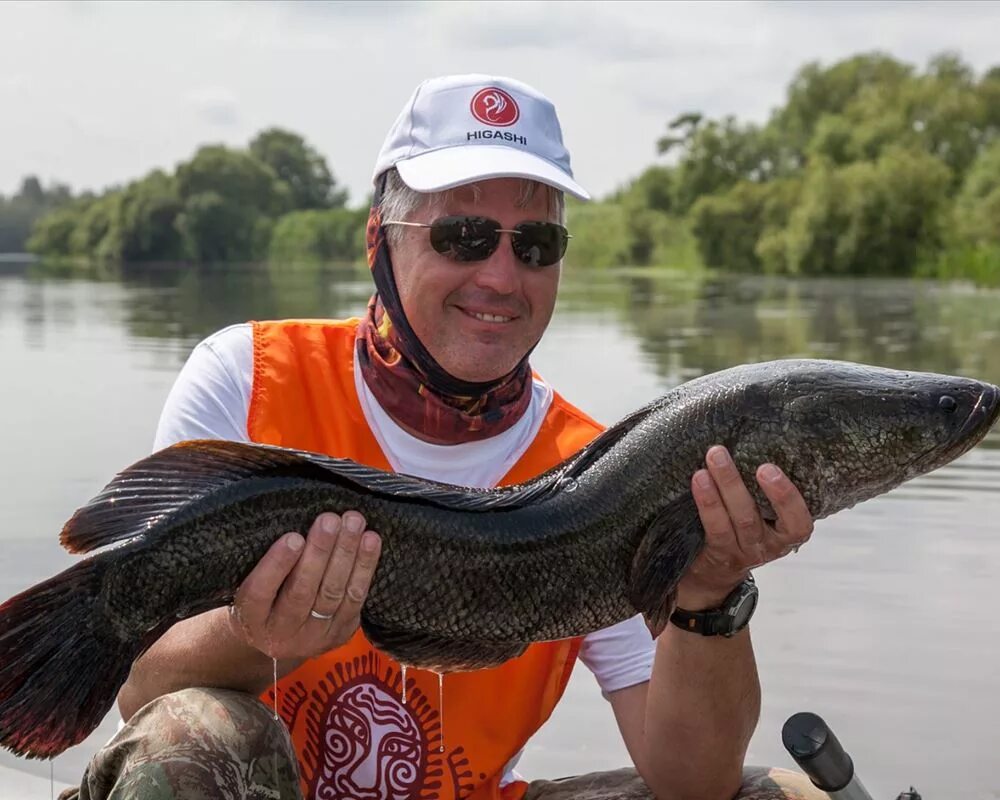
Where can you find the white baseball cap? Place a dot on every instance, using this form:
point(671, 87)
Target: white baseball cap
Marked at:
point(464, 128)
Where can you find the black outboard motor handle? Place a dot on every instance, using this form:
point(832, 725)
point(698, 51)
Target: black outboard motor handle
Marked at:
point(819, 754)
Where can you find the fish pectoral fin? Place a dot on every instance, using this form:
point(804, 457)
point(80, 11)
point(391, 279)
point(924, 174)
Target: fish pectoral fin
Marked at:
point(440, 653)
point(671, 543)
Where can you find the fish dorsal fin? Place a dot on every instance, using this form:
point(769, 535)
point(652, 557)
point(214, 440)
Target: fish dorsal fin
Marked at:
point(160, 484)
point(583, 460)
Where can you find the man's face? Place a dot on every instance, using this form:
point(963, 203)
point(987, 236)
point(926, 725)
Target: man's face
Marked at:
point(477, 319)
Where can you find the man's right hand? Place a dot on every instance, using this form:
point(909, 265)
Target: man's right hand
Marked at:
point(329, 572)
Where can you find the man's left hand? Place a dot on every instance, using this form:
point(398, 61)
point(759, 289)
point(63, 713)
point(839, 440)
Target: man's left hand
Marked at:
point(737, 539)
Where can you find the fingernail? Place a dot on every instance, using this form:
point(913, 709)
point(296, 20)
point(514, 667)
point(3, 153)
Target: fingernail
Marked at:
point(770, 473)
point(369, 542)
point(295, 542)
point(703, 479)
point(353, 523)
point(329, 523)
point(718, 456)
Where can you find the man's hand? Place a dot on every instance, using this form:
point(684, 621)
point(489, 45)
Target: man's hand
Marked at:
point(736, 538)
point(328, 572)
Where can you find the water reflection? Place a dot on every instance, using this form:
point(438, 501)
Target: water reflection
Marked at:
point(687, 324)
point(684, 324)
point(192, 303)
point(727, 320)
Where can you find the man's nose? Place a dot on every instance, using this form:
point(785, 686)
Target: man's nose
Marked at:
point(501, 271)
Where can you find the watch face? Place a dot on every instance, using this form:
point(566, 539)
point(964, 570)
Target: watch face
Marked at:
point(744, 610)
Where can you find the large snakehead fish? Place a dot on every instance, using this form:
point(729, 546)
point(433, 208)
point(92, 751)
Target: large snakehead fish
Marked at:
point(467, 578)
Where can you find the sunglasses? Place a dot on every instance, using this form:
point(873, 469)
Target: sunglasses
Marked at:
point(536, 244)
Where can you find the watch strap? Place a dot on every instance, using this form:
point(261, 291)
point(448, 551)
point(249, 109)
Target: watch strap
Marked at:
point(704, 622)
point(719, 621)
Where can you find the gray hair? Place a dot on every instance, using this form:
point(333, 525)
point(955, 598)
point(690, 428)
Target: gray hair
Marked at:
point(400, 202)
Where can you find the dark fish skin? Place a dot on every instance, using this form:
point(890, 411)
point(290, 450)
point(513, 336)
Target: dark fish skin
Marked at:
point(467, 578)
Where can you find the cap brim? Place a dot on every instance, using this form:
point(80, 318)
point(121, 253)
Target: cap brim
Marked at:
point(453, 166)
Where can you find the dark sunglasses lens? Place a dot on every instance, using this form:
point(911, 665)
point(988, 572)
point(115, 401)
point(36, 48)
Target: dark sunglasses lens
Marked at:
point(540, 244)
point(465, 238)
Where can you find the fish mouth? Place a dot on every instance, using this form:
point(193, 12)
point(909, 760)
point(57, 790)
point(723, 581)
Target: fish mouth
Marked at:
point(982, 417)
point(973, 430)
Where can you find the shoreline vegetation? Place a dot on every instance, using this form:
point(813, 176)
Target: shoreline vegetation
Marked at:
point(871, 167)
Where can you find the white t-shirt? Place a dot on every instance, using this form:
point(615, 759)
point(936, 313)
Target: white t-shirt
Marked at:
point(210, 400)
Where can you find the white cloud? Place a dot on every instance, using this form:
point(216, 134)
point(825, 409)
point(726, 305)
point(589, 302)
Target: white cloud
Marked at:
point(109, 91)
point(215, 105)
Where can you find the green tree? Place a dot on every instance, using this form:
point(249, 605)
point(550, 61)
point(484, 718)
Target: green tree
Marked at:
point(946, 111)
point(977, 208)
point(600, 235)
point(229, 201)
point(331, 236)
point(717, 155)
point(867, 217)
point(19, 212)
point(729, 226)
point(213, 229)
point(136, 223)
point(93, 224)
point(943, 111)
point(872, 140)
point(989, 90)
point(654, 189)
point(51, 233)
point(234, 176)
point(816, 91)
point(303, 170)
point(143, 222)
point(833, 140)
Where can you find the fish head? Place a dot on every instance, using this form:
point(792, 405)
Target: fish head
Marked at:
point(859, 431)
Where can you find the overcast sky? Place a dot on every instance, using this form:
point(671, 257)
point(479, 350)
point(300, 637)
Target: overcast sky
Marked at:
point(96, 93)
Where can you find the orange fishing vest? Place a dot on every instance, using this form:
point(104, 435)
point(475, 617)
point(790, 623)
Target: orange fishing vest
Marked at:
point(355, 735)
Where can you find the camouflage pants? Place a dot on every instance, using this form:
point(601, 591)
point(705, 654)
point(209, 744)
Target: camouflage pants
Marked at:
point(197, 744)
point(213, 744)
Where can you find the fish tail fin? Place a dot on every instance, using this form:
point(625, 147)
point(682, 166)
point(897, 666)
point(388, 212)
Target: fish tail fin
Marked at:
point(58, 675)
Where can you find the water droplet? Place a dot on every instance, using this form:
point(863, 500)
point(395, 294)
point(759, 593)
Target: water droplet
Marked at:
point(441, 708)
point(569, 484)
point(403, 671)
point(275, 687)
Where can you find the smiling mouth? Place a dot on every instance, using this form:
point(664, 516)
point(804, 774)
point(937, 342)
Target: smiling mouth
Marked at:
point(484, 317)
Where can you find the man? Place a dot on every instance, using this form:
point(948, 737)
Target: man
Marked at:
point(465, 244)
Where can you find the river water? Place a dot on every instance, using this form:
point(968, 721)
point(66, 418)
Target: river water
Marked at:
point(885, 624)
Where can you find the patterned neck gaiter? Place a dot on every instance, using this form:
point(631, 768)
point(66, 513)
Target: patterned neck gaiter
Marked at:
point(406, 380)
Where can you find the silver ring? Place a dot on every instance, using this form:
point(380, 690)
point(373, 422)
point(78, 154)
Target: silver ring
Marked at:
point(316, 615)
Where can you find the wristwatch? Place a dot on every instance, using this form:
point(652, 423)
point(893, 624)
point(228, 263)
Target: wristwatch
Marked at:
point(726, 620)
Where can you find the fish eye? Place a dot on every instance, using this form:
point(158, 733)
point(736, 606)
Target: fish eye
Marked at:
point(947, 403)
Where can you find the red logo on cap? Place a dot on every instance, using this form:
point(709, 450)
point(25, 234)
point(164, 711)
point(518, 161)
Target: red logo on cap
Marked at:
point(492, 106)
